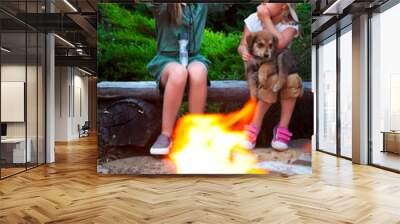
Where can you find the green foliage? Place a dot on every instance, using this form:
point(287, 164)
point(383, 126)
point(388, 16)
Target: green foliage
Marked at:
point(126, 42)
point(301, 46)
point(221, 50)
point(223, 22)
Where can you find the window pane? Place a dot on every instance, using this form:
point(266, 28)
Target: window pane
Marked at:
point(14, 153)
point(31, 97)
point(346, 94)
point(385, 83)
point(41, 99)
point(32, 87)
point(327, 96)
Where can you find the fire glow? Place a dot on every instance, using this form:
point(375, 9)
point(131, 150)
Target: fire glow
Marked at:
point(211, 144)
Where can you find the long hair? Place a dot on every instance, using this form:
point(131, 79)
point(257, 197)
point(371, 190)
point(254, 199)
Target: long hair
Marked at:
point(174, 13)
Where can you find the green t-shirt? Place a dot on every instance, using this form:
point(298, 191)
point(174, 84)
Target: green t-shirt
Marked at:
point(194, 17)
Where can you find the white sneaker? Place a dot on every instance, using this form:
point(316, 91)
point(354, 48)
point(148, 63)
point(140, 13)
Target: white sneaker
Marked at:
point(281, 138)
point(279, 146)
point(251, 132)
point(248, 144)
point(161, 146)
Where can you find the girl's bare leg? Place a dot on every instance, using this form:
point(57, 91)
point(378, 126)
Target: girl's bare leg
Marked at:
point(197, 72)
point(287, 108)
point(261, 108)
point(173, 79)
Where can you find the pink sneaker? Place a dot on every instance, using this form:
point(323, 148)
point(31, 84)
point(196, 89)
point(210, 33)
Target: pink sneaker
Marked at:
point(252, 133)
point(281, 138)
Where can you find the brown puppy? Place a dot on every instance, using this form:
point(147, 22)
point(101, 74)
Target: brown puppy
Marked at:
point(266, 62)
point(261, 45)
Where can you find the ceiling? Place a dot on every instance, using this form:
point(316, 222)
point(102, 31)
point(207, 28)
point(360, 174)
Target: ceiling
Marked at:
point(327, 13)
point(74, 22)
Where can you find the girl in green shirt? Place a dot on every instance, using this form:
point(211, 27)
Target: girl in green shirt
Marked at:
point(172, 77)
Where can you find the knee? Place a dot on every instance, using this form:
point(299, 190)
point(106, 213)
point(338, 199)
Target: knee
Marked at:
point(178, 76)
point(197, 75)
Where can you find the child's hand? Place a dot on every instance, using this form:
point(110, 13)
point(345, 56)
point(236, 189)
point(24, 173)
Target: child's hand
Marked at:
point(263, 12)
point(246, 56)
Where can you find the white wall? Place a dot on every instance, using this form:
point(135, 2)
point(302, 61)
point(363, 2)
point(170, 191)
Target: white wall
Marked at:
point(16, 73)
point(33, 127)
point(12, 73)
point(80, 110)
point(71, 93)
point(62, 81)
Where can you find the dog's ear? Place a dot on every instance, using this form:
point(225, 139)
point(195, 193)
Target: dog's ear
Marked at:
point(250, 40)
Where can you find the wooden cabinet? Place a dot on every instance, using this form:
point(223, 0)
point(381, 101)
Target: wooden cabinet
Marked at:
point(391, 141)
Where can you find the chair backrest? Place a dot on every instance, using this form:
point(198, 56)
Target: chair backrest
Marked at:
point(86, 125)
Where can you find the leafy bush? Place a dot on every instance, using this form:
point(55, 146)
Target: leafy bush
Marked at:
point(126, 42)
point(223, 22)
point(301, 46)
point(221, 50)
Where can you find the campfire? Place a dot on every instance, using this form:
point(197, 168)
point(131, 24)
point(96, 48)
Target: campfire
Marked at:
point(212, 144)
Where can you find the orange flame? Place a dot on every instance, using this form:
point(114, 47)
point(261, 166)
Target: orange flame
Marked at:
point(211, 143)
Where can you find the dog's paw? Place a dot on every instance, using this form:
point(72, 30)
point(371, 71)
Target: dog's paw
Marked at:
point(276, 87)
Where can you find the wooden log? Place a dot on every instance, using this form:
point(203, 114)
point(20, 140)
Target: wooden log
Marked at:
point(218, 91)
